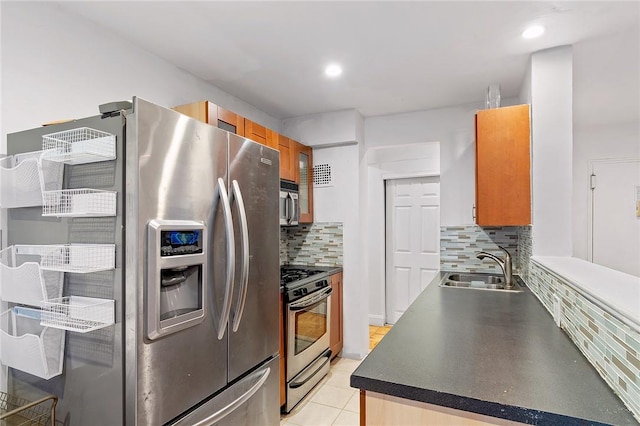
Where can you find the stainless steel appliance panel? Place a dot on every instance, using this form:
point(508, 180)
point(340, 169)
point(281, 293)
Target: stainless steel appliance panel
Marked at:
point(304, 381)
point(253, 400)
point(253, 324)
point(289, 203)
point(308, 322)
point(180, 162)
point(93, 362)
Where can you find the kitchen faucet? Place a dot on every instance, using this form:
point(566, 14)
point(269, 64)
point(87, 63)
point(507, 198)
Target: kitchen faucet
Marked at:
point(504, 264)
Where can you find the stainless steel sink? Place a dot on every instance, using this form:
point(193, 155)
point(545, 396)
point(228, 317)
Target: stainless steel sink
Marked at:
point(479, 282)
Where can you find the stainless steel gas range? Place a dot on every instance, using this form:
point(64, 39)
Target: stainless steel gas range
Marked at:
point(307, 295)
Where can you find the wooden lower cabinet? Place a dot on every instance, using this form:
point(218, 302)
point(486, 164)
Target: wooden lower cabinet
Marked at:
point(336, 326)
point(283, 383)
point(380, 409)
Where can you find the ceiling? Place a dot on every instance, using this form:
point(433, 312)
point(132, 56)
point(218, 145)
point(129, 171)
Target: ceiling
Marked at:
point(397, 56)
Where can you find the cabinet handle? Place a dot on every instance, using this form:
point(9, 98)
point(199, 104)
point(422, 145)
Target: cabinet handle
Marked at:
point(473, 213)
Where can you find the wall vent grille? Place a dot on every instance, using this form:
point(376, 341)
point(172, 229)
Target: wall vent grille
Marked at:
point(322, 176)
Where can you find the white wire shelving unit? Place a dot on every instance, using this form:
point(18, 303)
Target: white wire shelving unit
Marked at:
point(27, 345)
point(78, 146)
point(23, 179)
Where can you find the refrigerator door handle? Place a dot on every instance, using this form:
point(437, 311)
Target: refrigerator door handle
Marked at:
point(230, 407)
point(231, 259)
point(236, 195)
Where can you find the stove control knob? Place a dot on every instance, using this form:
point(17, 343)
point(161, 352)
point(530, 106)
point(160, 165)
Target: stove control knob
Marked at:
point(305, 291)
point(297, 292)
point(322, 283)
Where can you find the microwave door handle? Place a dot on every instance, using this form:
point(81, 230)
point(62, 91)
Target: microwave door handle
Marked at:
point(231, 260)
point(286, 207)
point(296, 209)
point(236, 195)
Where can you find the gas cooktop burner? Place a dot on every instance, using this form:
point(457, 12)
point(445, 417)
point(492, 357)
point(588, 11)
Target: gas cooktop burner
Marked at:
point(290, 275)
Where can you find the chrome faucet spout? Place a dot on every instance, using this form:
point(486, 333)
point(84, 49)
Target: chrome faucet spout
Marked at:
point(505, 265)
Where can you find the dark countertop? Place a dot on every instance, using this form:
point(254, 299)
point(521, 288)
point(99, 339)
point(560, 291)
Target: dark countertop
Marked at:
point(492, 353)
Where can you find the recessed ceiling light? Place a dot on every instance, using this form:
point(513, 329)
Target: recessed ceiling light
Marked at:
point(333, 70)
point(533, 31)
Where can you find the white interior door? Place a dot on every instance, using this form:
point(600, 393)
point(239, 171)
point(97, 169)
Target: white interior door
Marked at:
point(615, 216)
point(412, 240)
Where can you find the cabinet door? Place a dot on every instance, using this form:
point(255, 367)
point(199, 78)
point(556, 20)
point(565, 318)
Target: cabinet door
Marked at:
point(255, 131)
point(304, 176)
point(283, 384)
point(230, 121)
point(335, 330)
point(503, 167)
point(286, 158)
point(202, 110)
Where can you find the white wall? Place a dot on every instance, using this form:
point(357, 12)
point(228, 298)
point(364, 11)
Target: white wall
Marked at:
point(592, 143)
point(336, 139)
point(552, 142)
point(340, 203)
point(58, 66)
point(610, 131)
point(388, 162)
point(332, 128)
point(454, 128)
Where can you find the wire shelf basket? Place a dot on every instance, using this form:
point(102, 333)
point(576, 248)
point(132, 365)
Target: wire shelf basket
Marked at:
point(78, 258)
point(79, 146)
point(79, 314)
point(22, 280)
point(79, 202)
point(28, 346)
point(23, 178)
point(15, 411)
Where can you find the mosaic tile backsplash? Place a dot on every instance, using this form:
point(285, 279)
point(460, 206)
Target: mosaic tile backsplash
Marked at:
point(525, 251)
point(611, 346)
point(459, 245)
point(317, 244)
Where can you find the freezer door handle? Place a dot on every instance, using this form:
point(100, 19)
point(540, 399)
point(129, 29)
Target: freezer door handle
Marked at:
point(260, 377)
point(236, 195)
point(231, 259)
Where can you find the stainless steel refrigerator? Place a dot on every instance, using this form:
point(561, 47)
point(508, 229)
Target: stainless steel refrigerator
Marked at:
point(195, 281)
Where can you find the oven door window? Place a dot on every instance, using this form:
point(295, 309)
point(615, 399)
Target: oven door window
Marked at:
point(310, 325)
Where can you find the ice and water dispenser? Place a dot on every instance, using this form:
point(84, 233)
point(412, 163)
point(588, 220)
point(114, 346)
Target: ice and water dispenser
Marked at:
point(176, 276)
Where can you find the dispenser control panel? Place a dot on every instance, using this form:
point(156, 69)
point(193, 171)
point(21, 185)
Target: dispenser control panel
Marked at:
point(180, 242)
point(176, 276)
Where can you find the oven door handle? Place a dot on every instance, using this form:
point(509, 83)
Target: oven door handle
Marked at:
point(306, 302)
point(327, 354)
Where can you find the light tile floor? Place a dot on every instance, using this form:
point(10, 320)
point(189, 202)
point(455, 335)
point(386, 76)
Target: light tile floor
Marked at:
point(333, 402)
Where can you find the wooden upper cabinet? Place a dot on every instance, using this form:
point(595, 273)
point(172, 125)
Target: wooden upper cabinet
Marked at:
point(257, 133)
point(285, 147)
point(303, 157)
point(202, 110)
point(503, 166)
point(231, 122)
